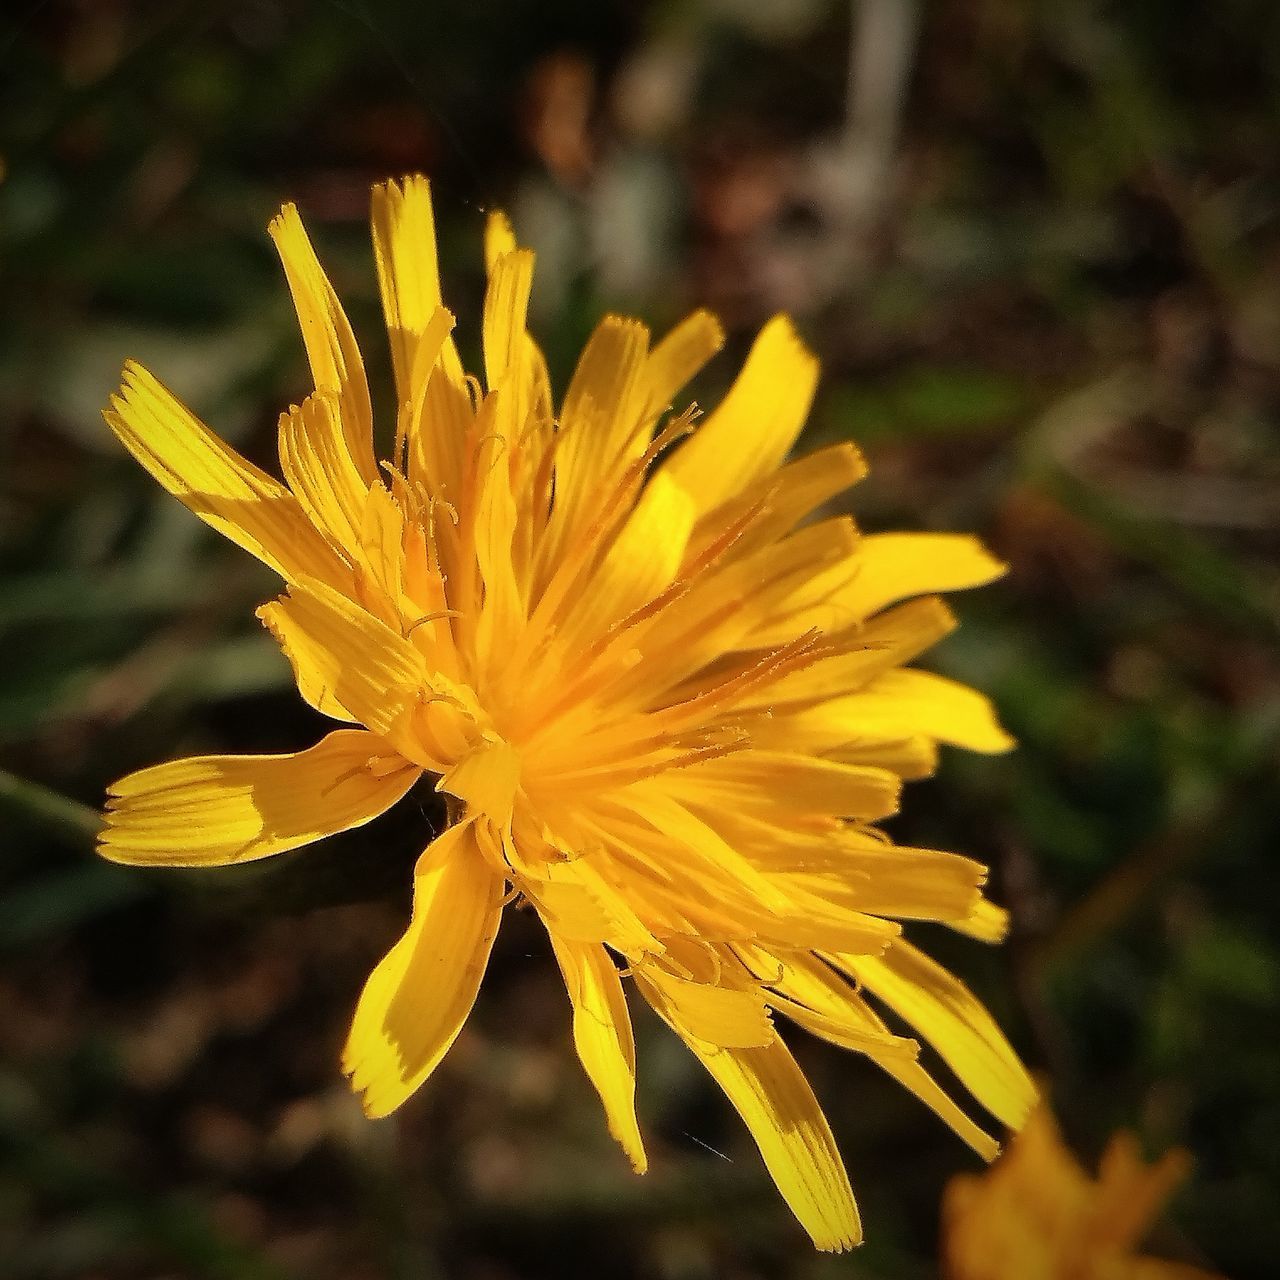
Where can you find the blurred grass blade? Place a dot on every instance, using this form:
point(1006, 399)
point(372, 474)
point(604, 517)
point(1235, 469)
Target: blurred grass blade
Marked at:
point(33, 800)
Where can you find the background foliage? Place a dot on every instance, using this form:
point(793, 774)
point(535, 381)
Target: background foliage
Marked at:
point(1037, 246)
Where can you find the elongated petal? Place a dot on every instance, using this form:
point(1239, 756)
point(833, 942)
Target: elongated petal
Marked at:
point(721, 614)
point(602, 1036)
point(486, 779)
point(755, 425)
point(214, 481)
point(496, 518)
point(679, 356)
point(920, 884)
point(600, 430)
point(580, 900)
point(331, 346)
point(346, 659)
point(893, 566)
point(770, 1093)
point(506, 310)
point(499, 239)
point(986, 922)
point(946, 1013)
point(825, 729)
point(404, 248)
point(896, 636)
point(786, 495)
point(778, 779)
point(318, 465)
point(417, 999)
point(728, 1017)
point(213, 810)
point(643, 560)
point(908, 703)
point(809, 993)
point(380, 550)
point(824, 1004)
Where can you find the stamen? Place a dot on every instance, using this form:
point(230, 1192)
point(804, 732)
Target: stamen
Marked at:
point(431, 617)
point(493, 437)
point(582, 555)
point(801, 652)
point(369, 766)
point(599, 650)
point(617, 776)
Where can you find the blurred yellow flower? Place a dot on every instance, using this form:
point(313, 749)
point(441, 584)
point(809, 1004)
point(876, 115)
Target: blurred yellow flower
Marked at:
point(663, 709)
point(1036, 1214)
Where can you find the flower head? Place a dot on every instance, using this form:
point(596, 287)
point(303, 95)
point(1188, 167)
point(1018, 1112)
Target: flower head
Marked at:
point(665, 709)
point(1036, 1214)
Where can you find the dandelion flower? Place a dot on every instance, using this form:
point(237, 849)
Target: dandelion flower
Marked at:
point(664, 709)
point(1036, 1214)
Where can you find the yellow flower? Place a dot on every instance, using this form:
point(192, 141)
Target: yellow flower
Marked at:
point(664, 710)
point(1036, 1214)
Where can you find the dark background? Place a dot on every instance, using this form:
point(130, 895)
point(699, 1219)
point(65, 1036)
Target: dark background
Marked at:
point(1038, 249)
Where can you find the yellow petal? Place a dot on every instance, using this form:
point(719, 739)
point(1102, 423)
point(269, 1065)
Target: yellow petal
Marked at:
point(945, 1012)
point(787, 496)
point(404, 247)
point(679, 356)
point(909, 758)
point(331, 346)
point(345, 657)
point(602, 1036)
point(696, 844)
point(727, 1017)
point(913, 1077)
point(812, 922)
point(506, 310)
point(890, 639)
point(824, 729)
point(752, 430)
point(720, 613)
point(601, 429)
point(499, 239)
point(319, 468)
point(808, 993)
point(805, 604)
point(893, 566)
point(212, 810)
point(231, 495)
point(773, 780)
point(642, 562)
point(929, 892)
point(824, 1004)
point(985, 922)
point(486, 779)
point(437, 439)
point(581, 899)
point(902, 704)
point(759, 584)
point(770, 1093)
point(417, 999)
point(426, 417)
point(498, 623)
point(380, 550)
point(654, 901)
